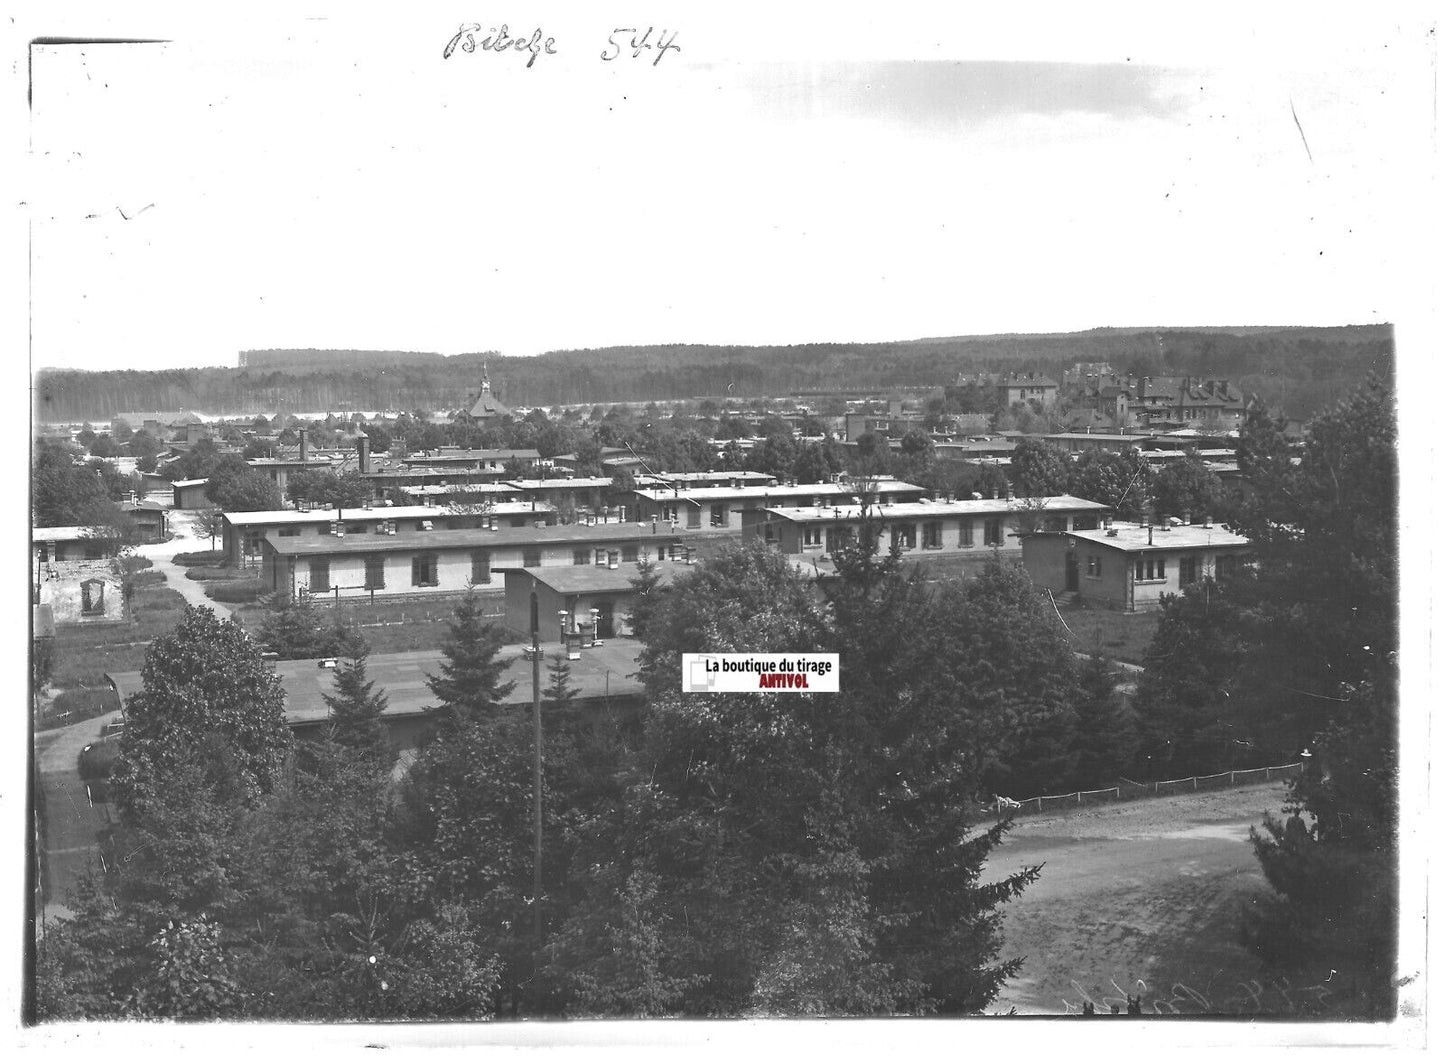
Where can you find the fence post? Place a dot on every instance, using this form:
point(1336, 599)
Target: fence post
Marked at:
point(1078, 797)
point(1266, 774)
point(1196, 782)
point(1117, 795)
point(1231, 778)
point(1040, 801)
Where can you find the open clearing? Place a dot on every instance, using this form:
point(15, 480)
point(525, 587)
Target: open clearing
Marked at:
point(1142, 897)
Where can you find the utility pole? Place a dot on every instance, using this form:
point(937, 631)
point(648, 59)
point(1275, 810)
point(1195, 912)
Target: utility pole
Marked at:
point(536, 773)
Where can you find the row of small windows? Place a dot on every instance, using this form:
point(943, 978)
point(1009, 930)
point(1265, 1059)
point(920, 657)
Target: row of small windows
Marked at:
point(424, 565)
point(904, 536)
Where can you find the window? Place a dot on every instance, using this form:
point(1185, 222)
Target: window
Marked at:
point(1149, 568)
point(356, 529)
point(669, 512)
point(694, 516)
point(662, 553)
point(1054, 524)
point(629, 553)
point(933, 535)
point(1223, 566)
point(320, 577)
point(719, 516)
point(582, 556)
point(1092, 570)
point(1188, 570)
point(481, 566)
point(288, 533)
point(905, 535)
point(424, 570)
point(812, 535)
point(837, 538)
point(519, 522)
point(993, 531)
point(532, 557)
point(965, 533)
point(375, 573)
point(1083, 523)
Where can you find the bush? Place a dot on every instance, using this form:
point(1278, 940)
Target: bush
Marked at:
point(149, 579)
point(237, 591)
point(201, 557)
point(83, 703)
point(97, 758)
point(214, 572)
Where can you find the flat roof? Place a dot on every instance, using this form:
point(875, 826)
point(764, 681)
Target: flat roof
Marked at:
point(686, 477)
point(493, 487)
point(469, 455)
point(603, 670)
point(472, 538)
point(67, 533)
point(560, 481)
point(321, 515)
point(589, 579)
point(1134, 538)
point(957, 508)
point(711, 494)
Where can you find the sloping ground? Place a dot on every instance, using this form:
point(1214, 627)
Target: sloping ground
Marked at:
point(1141, 899)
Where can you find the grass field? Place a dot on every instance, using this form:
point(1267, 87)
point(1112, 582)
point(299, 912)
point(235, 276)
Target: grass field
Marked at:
point(84, 652)
point(1118, 636)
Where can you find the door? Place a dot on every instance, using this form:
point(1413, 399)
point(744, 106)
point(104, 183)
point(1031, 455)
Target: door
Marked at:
point(1071, 571)
point(604, 620)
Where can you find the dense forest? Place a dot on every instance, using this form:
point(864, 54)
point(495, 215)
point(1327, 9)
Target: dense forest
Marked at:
point(1299, 370)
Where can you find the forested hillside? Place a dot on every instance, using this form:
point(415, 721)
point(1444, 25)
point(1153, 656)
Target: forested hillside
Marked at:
point(1299, 369)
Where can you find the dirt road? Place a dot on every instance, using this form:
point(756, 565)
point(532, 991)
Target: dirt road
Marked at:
point(1136, 898)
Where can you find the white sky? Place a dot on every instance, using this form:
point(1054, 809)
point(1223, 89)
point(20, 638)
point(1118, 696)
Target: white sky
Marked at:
point(336, 183)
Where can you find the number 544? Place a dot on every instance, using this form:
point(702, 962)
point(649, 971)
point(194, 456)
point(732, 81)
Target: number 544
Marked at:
point(640, 44)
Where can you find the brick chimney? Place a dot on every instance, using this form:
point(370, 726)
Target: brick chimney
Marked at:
point(363, 453)
point(304, 449)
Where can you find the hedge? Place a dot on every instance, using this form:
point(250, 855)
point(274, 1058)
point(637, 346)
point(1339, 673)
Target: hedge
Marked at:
point(236, 590)
point(200, 557)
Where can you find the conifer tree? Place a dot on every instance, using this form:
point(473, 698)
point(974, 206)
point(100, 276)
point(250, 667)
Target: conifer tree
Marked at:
point(470, 686)
point(356, 707)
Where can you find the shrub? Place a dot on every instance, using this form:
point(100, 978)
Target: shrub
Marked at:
point(96, 759)
point(83, 703)
point(201, 557)
point(236, 590)
point(217, 572)
point(149, 579)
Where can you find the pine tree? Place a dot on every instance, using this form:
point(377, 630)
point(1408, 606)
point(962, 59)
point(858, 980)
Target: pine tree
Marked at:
point(356, 707)
point(470, 685)
point(558, 694)
point(1106, 729)
point(294, 630)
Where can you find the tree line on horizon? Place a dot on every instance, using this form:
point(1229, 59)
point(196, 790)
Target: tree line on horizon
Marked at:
point(1300, 369)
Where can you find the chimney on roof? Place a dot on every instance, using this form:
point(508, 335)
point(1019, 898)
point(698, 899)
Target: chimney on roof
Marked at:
point(363, 454)
point(1207, 520)
point(1186, 517)
point(304, 449)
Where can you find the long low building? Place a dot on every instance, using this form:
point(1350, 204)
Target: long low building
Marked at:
point(447, 562)
point(724, 507)
point(959, 526)
point(1132, 566)
point(243, 533)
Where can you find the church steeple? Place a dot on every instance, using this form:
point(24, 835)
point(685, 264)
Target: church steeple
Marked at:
point(486, 380)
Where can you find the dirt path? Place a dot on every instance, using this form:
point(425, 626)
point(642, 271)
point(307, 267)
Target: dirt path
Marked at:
point(72, 822)
point(1141, 898)
point(185, 541)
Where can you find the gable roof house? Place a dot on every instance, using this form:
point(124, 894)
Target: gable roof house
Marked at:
point(486, 410)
